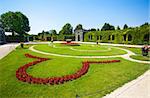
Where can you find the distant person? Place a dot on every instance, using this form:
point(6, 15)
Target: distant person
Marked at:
point(97, 42)
point(52, 40)
point(145, 50)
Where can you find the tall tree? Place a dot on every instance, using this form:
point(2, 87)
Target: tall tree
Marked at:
point(107, 26)
point(125, 26)
point(79, 27)
point(145, 24)
point(67, 29)
point(15, 22)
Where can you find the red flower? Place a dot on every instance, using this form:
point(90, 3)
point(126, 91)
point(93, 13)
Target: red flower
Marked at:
point(23, 76)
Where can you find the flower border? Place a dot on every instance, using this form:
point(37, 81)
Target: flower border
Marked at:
point(23, 76)
point(70, 43)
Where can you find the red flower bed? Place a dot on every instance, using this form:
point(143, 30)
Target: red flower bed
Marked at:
point(23, 76)
point(70, 43)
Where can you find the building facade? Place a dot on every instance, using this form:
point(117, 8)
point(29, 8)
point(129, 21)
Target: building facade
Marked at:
point(79, 35)
point(139, 35)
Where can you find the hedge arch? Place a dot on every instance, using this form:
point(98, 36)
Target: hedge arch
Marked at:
point(129, 37)
point(99, 37)
point(109, 37)
point(124, 37)
point(113, 37)
point(146, 37)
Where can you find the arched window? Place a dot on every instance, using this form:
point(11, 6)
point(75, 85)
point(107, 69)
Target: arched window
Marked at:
point(90, 37)
point(129, 37)
point(100, 37)
point(113, 37)
point(97, 37)
point(146, 37)
point(109, 37)
point(124, 37)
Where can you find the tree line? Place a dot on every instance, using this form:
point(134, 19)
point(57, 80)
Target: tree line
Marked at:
point(19, 23)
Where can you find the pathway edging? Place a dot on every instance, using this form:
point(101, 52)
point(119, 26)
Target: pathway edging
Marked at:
point(125, 56)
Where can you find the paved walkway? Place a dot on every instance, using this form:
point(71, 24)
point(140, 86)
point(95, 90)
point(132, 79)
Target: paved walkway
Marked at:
point(138, 88)
point(6, 49)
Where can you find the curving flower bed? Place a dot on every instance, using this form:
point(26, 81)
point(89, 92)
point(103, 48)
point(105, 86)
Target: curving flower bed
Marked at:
point(23, 76)
point(70, 43)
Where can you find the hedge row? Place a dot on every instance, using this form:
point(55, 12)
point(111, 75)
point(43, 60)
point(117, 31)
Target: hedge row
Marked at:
point(138, 35)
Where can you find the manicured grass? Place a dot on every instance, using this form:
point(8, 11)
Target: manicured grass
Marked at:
point(138, 53)
point(140, 57)
point(100, 77)
point(135, 50)
point(101, 50)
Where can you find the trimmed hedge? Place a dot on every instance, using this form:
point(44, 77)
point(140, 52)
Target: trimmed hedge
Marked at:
point(139, 35)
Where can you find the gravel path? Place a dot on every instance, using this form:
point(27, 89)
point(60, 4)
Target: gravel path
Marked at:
point(125, 56)
point(6, 49)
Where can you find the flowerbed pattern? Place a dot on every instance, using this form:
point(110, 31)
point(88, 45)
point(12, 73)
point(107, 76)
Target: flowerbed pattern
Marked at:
point(70, 43)
point(23, 76)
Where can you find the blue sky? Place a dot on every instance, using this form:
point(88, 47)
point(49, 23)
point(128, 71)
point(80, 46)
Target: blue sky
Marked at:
point(53, 14)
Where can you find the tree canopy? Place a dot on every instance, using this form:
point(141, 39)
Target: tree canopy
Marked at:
point(67, 29)
point(53, 32)
point(145, 24)
point(79, 27)
point(107, 26)
point(125, 26)
point(15, 22)
point(118, 28)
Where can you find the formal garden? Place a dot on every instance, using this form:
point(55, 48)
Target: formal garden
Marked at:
point(71, 63)
point(71, 70)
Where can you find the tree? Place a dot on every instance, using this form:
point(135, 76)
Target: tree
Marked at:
point(79, 27)
point(125, 26)
point(15, 22)
point(67, 29)
point(93, 29)
point(53, 32)
point(107, 26)
point(118, 28)
point(1, 26)
point(145, 24)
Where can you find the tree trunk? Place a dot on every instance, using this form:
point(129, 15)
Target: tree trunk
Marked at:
point(21, 38)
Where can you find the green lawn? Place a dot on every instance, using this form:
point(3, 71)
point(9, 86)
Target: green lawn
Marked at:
point(138, 53)
point(65, 50)
point(101, 77)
